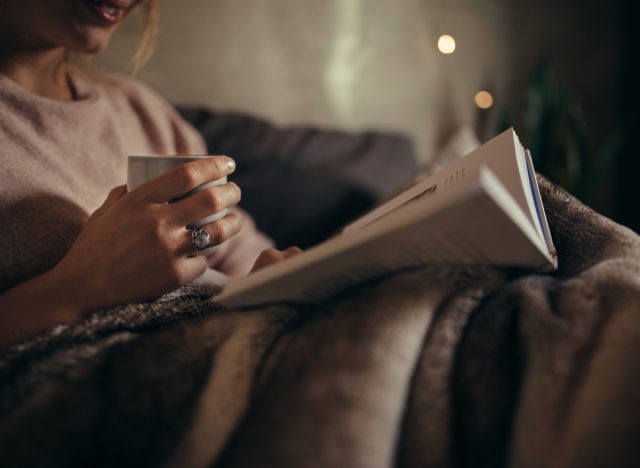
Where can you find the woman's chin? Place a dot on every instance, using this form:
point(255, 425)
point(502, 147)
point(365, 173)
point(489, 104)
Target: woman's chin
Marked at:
point(91, 43)
point(94, 49)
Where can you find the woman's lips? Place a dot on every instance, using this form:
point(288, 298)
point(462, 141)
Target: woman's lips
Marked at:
point(108, 12)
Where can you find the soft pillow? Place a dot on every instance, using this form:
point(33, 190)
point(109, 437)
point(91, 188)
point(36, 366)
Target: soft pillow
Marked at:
point(301, 184)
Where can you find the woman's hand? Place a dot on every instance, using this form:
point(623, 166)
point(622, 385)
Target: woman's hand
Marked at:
point(271, 256)
point(136, 248)
point(236, 257)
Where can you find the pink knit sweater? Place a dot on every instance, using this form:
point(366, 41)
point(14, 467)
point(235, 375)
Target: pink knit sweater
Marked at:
point(59, 160)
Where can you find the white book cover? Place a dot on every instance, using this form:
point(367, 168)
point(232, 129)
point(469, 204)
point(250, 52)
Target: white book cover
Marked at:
point(484, 209)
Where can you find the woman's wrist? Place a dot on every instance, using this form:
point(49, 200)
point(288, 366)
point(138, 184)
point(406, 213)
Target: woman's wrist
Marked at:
point(63, 295)
point(37, 304)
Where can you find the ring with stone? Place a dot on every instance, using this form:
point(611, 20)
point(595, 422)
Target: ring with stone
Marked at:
point(200, 239)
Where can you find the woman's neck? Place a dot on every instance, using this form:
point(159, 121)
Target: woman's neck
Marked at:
point(43, 73)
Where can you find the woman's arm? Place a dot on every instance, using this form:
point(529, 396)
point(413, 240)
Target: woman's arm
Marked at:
point(133, 248)
point(35, 305)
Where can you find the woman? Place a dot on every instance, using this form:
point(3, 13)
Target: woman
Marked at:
point(65, 135)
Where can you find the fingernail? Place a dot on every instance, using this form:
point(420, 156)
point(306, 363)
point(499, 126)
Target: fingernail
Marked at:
point(231, 164)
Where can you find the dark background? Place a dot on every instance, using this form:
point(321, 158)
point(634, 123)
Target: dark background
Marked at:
point(627, 182)
point(572, 95)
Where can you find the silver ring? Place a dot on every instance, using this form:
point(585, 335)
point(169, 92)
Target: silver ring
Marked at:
point(200, 239)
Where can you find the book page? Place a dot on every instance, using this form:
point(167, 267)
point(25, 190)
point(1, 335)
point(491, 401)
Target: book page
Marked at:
point(501, 155)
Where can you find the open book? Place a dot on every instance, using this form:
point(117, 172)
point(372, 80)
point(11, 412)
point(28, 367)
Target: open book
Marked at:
point(484, 209)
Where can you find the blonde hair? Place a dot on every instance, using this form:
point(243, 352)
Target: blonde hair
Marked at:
point(148, 40)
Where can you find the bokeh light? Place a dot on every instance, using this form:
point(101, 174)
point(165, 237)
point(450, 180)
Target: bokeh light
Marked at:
point(484, 99)
point(446, 44)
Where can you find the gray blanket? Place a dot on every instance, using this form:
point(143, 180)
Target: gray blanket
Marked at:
point(433, 367)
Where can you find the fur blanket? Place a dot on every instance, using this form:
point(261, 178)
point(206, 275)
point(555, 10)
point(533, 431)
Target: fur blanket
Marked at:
point(433, 367)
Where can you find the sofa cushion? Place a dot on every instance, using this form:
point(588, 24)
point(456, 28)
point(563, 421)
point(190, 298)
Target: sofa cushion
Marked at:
point(301, 184)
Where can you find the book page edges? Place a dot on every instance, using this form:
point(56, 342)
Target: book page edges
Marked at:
point(542, 215)
point(501, 197)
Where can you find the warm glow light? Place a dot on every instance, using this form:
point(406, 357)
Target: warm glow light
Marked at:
point(484, 99)
point(446, 44)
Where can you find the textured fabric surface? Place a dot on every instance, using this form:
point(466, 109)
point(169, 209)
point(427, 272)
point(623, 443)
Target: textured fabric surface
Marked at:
point(432, 367)
point(59, 160)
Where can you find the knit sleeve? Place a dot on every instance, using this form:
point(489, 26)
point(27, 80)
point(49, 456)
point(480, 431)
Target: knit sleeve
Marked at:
point(187, 140)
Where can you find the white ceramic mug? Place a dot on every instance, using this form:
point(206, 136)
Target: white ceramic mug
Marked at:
point(142, 169)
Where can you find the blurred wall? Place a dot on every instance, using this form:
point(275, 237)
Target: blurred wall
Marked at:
point(346, 63)
point(360, 64)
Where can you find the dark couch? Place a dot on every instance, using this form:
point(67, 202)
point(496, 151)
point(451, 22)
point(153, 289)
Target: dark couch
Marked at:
point(301, 184)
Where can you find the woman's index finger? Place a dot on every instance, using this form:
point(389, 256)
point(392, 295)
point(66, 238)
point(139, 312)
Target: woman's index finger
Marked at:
point(184, 178)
